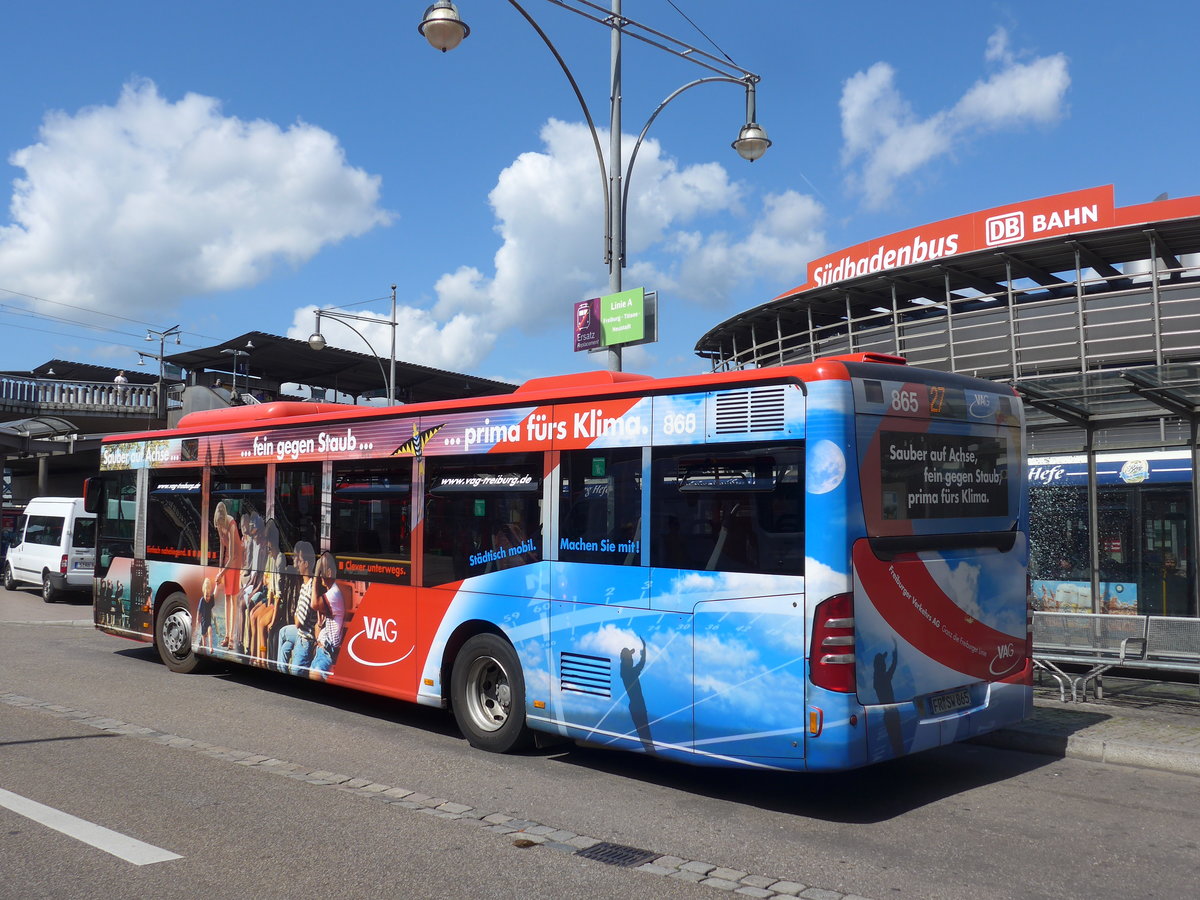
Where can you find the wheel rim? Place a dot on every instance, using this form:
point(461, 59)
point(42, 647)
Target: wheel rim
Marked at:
point(489, 694)
point(177, 633)
point(47, 591)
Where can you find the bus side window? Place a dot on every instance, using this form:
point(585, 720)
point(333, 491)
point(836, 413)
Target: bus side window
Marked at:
point(601, 506)
point(730, 509)
point(483, 513)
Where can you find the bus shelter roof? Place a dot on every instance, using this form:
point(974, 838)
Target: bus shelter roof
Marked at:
point(283, 360)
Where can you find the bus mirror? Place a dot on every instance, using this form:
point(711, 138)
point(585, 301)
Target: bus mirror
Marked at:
point(93, 494)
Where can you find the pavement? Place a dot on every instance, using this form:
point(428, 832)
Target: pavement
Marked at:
point(1142, 723)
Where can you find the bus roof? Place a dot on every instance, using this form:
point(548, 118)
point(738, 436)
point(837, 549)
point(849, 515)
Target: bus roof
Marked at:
point(580, 386)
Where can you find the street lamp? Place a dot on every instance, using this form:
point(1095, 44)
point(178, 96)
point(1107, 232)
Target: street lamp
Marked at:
point(175, 332)
point(317, 341)
point(444, 29)
point(238, 354)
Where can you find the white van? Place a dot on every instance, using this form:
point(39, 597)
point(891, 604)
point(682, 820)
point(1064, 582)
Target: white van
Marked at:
point(56, 548)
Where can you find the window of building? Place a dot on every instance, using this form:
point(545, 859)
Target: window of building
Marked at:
point(739, 509)
point(600, 511)
point(482, 513)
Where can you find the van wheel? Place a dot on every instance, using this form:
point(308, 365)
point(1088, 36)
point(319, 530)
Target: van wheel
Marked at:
point(10, 583)
point(487, 690)
point(49, 594)
point(173, 635)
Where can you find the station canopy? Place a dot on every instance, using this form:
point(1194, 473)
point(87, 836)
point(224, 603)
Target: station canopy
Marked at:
point(283, 360)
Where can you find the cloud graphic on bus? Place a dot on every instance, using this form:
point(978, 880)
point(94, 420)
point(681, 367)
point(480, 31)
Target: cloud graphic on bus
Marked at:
point(826, 467)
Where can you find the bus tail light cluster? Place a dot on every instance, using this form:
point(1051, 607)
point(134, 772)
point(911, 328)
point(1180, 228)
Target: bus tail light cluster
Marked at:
point(831, 659)
point(62, 565)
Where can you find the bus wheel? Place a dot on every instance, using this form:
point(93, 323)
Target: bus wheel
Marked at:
point(10, 583)
point(487, 690)
point(49, 594)
point(173, 635)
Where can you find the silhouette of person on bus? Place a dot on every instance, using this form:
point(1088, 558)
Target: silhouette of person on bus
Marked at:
point(631, 678)
point(886, 694)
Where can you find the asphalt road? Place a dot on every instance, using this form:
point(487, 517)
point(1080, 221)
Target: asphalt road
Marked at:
point(961, 822)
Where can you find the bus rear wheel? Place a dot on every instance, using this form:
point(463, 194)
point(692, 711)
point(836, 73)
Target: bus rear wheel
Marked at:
point(173, 635)
point(49, 594)
point(487, 690)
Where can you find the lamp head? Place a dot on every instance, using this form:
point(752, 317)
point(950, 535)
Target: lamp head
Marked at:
point(752, 142)
point(316, 340)
point(442, 26)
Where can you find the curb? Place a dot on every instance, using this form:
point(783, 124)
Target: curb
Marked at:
point(1117, 753)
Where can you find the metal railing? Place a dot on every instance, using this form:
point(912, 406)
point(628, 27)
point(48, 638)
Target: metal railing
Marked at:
point(32, 395)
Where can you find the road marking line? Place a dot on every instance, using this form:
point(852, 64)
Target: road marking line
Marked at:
point(121, 845)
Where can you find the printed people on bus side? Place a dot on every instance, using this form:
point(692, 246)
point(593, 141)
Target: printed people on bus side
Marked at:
point(204, 616)
point(297, 640)
point(332, 608)
point(250, 591)
point(265, 605)
point(229, 562)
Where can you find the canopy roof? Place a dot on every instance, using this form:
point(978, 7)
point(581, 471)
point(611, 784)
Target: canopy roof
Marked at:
point(285, 359)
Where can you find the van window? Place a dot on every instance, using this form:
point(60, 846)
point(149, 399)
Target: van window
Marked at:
point(84, 536)
point(45, 530)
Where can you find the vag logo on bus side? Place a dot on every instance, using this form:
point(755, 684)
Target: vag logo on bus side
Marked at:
point(377, 631)
point(1005, 653)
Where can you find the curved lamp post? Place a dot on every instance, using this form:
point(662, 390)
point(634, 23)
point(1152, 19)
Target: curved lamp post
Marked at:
point(444, 28)
point(174, 331)
point(317, 341)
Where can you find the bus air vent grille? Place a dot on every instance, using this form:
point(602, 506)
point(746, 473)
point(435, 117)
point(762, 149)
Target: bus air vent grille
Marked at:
point(750, 411)
point(585, 674)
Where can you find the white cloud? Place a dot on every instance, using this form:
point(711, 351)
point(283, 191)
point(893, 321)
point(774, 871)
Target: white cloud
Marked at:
point(885, 140)
point(142, 203)
point(549, 215)
point(457, 344)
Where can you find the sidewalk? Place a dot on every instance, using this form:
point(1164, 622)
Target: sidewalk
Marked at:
point(1149, 724)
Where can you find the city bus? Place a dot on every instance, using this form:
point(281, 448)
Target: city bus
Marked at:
point(809, 567)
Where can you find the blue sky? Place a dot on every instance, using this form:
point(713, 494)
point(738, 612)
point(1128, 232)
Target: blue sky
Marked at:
point(230, 166)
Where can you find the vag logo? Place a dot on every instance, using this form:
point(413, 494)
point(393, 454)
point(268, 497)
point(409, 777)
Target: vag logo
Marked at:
point(383, 638)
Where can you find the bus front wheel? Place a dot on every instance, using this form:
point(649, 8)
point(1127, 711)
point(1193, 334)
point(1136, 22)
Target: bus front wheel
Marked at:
point(10, 583)
point(173, 635)
point(487, 690)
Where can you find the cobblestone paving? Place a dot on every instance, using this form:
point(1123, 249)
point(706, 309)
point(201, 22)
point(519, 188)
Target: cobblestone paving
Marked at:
point(702, 872)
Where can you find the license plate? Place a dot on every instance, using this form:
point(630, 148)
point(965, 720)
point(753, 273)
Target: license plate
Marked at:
point(950, 701)
point(85, 563)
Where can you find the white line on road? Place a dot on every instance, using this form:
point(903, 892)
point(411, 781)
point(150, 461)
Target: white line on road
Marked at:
point(121, 845)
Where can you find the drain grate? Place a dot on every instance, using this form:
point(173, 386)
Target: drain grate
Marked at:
point(617, 854)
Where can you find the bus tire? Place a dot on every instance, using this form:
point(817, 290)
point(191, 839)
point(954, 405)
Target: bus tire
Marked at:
point(49, 594)
point(487, 690)
point(10, 583)
point(173, 635)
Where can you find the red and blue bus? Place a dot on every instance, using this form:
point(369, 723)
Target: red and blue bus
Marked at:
point(810, 567)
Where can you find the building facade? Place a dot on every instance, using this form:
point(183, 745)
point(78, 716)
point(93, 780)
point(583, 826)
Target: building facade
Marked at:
point(1092, 312)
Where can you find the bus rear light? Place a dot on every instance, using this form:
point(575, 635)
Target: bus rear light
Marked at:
point(62, 565)
point(816, 720)
point(831, 658)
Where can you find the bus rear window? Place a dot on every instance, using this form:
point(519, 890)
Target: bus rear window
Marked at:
point(942, 476)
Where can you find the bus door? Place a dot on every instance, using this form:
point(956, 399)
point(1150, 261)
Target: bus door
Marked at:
point(939, 576)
